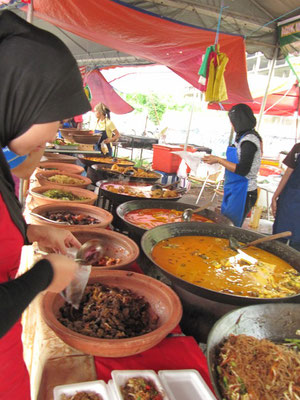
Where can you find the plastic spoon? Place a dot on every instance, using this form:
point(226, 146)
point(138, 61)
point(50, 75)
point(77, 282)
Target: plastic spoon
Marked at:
point(47, 219)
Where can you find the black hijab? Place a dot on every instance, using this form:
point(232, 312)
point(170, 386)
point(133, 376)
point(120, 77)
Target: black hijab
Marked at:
point(40, 82)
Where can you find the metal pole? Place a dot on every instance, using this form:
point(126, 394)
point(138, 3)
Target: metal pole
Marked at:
point(190, 122)
point(263, 104)
point(30, 12)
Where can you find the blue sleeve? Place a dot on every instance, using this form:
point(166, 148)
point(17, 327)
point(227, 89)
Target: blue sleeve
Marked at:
point(12, 158)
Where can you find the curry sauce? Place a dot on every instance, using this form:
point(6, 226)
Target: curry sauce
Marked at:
point(210, 263)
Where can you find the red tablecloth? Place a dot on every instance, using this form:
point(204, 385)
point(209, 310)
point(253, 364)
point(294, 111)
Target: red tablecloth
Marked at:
point(180, 352)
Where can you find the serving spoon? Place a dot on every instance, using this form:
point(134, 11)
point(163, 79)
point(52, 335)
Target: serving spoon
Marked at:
point(235, 245)
point(158, 186)
point(90, 252)
point(188, 212)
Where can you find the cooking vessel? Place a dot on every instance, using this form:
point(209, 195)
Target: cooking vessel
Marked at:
point(85, 139)
point(67, 133)
point(124, 208)
point(110, 161)
point(155, 235)
point(102, 171)
point(56, 157)
point(117, 198)
point(275, 322)
point(138, 142)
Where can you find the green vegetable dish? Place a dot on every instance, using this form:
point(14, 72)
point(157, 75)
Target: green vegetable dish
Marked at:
point(62, 195)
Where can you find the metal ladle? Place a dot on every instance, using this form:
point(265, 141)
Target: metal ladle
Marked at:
point(158, 186)
point(235, 245)
point(90, 252)
point(188, 212)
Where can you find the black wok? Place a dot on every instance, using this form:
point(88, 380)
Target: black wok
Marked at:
point(110, 161)
point(118, 198)
point(124, 208)
point(155, 235)
point(103, 171)
point(275, 322)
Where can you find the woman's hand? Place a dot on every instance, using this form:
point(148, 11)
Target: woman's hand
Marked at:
point(106, 141)
point(209, 159)
point(274, 204)
point(64, 269)
point(58, 240)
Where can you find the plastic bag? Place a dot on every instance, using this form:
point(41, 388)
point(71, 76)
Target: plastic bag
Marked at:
point(104, 148)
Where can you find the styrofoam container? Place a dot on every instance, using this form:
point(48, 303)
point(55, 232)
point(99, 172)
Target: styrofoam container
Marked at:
point(98, 387)
point(111, 390)
point(185, 384)
point(121, 377)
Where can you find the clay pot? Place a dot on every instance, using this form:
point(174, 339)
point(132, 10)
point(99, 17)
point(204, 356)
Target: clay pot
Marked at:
point(37, 194)
point(67, 133)
point(86, 139)
point(163, 301)
point(68, 168)
point(43, 179)
point(61, 158)
point(103, 216)
point(115, 244)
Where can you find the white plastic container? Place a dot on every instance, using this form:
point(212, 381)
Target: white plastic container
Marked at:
point(121, 377)
point(98, 387)
point(185, 384)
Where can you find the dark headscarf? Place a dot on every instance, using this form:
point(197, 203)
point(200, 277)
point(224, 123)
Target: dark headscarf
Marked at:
point(40, 82)
point(242, 118)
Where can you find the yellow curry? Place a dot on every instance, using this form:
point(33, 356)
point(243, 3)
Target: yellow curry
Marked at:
point(210, 263)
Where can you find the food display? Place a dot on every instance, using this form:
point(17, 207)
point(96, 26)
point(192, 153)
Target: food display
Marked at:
point(108, 160)
point(62, 195)
point(140, 388)
point(65, 180)
point(250, 368)
point(148, 218)
point(136, 191)
point(135, 172)
point(81, 396)
point(110, 313)
point(210, 263)
point(71, 218)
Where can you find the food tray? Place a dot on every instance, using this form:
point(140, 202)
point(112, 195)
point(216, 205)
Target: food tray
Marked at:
point(66, 147)
point(185, 384)
point(121, 377)
point(98, 387)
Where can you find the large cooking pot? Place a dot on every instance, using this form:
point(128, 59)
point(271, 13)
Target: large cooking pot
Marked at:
point(203, 307)
point(274, 322)
point(125, 208)
point(109, 161)
point(118, 198)
point(103, 171)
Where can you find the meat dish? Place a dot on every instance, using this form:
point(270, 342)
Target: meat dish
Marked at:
point(109, 313)
point(71, 218)
point(135, 191)
point(81, 396)
point(209, 262)
point(257, 369)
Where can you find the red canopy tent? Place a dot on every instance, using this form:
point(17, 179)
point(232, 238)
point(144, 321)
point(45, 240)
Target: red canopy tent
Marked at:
point(281, 103)
point(176, 45)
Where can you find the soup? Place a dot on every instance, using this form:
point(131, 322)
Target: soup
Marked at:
point(210, 263)
point(148, 218)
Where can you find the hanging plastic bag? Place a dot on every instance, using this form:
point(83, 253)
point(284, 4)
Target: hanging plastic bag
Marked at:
point(104, 148)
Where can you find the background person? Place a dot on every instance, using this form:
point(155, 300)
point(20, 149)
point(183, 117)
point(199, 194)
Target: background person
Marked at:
point(105, 127)
point(242, 164)
point(286, 199)
point(40, 86)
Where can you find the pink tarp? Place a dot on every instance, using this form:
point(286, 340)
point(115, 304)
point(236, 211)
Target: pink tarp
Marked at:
point(176, 45)
point(102, 92)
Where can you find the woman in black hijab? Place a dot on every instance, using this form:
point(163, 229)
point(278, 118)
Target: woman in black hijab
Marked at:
point(40, 86)
point(242, 164)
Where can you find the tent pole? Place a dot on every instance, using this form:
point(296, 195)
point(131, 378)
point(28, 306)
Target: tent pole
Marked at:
point(190, 121)
point(263, 104)
point(30, 12)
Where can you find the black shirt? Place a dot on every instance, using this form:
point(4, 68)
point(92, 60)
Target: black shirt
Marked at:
point(15, 295)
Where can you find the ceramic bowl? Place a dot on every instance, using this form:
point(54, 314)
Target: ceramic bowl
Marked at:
point(59, 158)
point(163, 301)
point(68, 168)
point(115, 245)
point(103, 216)
point(43, 179)
point(37, 194)
point(67, 133)
point(86, 139)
